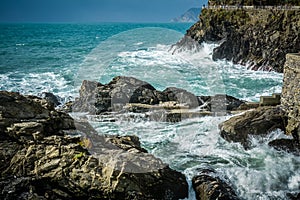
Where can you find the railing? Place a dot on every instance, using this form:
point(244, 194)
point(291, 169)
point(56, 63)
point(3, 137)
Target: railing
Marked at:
point(231, 7)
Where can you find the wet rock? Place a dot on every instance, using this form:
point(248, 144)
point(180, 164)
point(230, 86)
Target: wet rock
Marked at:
point(208, 186)
point(30, 118)
point(182, 96)
point(293, 196)
point(96, 98)
point(131, 94)
point(287, 145)
point(43, 156)
point(260, 121)
point(259, 38)
point(128, 143)
point(51, 98)
point(220, 103)
point(87, 99)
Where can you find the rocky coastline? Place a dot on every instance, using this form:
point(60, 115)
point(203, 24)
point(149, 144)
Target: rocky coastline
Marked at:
point(256, 38)
point(45, 154)
point(263, 120)
point(125, 94)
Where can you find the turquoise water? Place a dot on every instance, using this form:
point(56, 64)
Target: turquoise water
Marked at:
point(36, 58)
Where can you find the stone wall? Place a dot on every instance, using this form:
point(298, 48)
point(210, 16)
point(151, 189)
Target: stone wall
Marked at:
point(291, 93)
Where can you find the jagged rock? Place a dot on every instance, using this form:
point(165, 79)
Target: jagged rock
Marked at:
point(131, 94)
point(51, 98)
point(257, 37)
point(260, 121)
point(30, 118)
point(96, 98)
point(220, 102)
point(208, 186)
point(43, 157)
point(182, 96)
point(287, 145)
point(87, 99)
point(128, 143)
point(294, 196)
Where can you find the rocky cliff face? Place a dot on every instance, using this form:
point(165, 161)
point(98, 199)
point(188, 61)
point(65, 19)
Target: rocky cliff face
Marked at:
point(291, 94)
point(259, 38)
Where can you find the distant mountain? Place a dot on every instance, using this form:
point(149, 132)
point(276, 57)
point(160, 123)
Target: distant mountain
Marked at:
point(189, 16)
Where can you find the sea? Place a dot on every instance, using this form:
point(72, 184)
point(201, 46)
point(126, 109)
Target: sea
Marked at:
point(57, 57)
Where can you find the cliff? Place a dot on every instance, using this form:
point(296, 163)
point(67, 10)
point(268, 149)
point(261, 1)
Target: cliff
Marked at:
point(258, 38)
point(291, 94)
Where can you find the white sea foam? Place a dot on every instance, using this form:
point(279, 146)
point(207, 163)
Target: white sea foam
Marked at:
point(196, 143)
point(259, 173)
point(192, 144)
point(36, 83)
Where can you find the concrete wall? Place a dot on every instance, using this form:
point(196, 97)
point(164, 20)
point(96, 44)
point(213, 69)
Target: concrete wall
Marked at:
point(290, 99)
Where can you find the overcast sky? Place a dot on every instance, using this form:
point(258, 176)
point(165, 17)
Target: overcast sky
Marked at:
point(94, 10)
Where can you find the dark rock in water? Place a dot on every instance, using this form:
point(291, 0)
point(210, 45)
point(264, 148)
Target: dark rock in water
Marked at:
point(288, 145)
point(42, 157)
point(260, 121)
point(220, 103)
point(96, 98)
point(293, 196)
point(182, 96)
point(51, 98)
point(233, 103)
point(88, 96)
point(208, 186)
point(131, 90)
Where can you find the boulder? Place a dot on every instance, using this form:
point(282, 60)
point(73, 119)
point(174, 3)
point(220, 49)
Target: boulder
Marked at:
point(182, 96)
point(131, 94)
point(220, 103)
point(44, 154)
point(51, 98)
point(208, 186)
point(287, 145)
point(96, 98)
point(260, 121)
point(88, 98)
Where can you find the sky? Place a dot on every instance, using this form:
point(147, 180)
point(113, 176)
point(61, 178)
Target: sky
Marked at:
point(94, 10)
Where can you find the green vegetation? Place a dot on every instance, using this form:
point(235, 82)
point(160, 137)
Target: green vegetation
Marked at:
point(79, 155)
